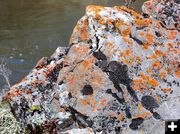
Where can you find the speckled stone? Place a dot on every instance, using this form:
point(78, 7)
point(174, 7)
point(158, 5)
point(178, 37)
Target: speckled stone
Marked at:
point(166, 11)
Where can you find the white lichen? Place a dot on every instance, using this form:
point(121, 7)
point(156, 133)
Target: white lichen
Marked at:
point(8, 123)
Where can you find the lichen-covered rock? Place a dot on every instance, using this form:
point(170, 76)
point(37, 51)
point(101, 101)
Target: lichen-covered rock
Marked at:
point(115, 76)
point(166, 11)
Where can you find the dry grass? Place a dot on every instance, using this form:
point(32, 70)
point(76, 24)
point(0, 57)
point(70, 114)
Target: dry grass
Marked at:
point(5, 73)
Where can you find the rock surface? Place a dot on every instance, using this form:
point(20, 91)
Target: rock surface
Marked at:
point(117, 75)
point(166, 11)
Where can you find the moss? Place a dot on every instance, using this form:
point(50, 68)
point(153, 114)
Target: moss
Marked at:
point(34, 108)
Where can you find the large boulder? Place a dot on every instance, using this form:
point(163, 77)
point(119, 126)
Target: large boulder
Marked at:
point(118, 73)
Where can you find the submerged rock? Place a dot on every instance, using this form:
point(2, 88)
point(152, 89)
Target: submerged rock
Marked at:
point(117, 71)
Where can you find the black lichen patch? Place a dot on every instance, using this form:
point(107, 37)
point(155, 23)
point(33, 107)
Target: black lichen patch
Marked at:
point(158, 34)
point(132, 93)
point(156, 115)
point(118, 130)
point(53, 75)
point(87, 90)
point(145, 15)
point(119, 72)
point(135, 123)
point(70, 95)
point(41, 88)
point(82, 120)
point(99, 55)
point(137, 40)
point(149, 102)
point(120, 100)
point(106, 124)
point(102, 65)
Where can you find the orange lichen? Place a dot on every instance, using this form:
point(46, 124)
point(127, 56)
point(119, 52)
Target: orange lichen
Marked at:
point(149, 38)
point(159, 53)
point(93, 103)
point(97, 16)
point(13, 93)
point(84, 33)
point(139, 84)
point(162, 74)
point(138, 58)
point(27, 91)
point(140, 107)
point(156, 64)
point(127, 40)
point(80, 51)
point(120, 23)
point(143, 76)
point(170, 45)
point(99, 108)
point(152, 56)
point(141, 33)
point(113, 114)
point(172, 34)
point(84, 102)
point(126, 61)
point(144, 115)
point(166, 90)
point(153, 82)
point(150, 71)
point(126, 32)
point(103, 101)
point(120, 117)
point(72, 80)
point(158, 98)
point(127, 52)
point(145, 46)
point(177, 74)
point(143, 22)
point(110, 21)
point(137, 80)
point(102, 22)
point(61, 109)
point(86, 64)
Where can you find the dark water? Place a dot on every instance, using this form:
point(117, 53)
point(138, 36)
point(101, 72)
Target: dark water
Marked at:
point(31, 29)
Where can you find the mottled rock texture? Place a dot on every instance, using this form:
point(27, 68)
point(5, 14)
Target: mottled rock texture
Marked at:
point(117, 75)
point(166, 11)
